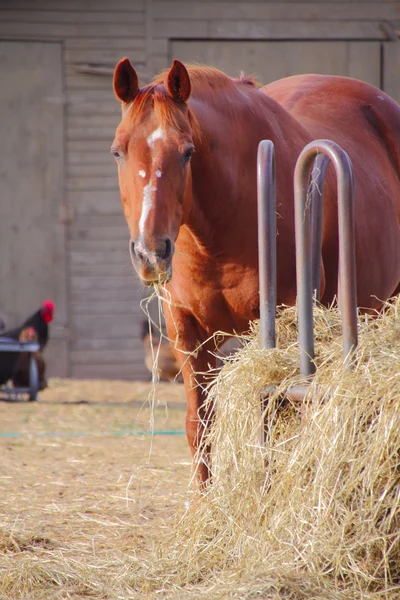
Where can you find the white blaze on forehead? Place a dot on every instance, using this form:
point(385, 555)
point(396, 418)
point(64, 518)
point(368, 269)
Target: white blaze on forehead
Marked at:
point(156, 135)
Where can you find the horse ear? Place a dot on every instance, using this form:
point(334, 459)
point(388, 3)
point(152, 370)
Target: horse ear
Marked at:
point(178, 82)
point(126, 82)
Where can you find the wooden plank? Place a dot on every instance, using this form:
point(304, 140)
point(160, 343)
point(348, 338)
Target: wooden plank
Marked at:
point(53, 17)
point(109, 56)
point(93, 81)
point(103, 182)
point(136, 315)
point(106, 281)
point(302, 11)
point(89, 163)
point(110, 107)
point(95, 120)
point(159, 46)
point(111, 326)
point(85, 81)
point(104, 258)
point(161, 63)
point(81, 298)
point(103, 343)
point(333, 2)
point(80, 98)
point(185, 28)
point(100, 236)
point(364, 61)
point(108, 357)
point(114, 305)
point(126, 372)
point(100, 244)
point(391, 61)
point(96, 201)
point(291, 30)
point(92, 220)
point(111, 323)
point(83, 96)
point(77, 5)
point(125, 44)
point(122, 270)
point(102, 308)
point(105, 234)
point(89, 151)
point(91, 133)
point(32, 185)
point(18, 29)
point(100, 165)
point(355, 59)
point(89, 176)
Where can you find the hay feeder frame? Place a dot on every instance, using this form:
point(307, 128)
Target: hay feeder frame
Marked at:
point(309, 177)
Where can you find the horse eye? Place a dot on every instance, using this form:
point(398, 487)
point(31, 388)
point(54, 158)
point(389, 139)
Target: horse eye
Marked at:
point(187, 155)
point(116, 154)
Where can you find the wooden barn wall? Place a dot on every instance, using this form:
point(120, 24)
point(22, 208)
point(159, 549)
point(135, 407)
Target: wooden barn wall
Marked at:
point(173, 20)
point(103, 297)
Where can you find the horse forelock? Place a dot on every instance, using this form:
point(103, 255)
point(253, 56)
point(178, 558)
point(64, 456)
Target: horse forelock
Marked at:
point(205, 82)
point(155, 98)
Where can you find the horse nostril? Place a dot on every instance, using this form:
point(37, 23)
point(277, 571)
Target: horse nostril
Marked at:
point(133, 251)
point(139, 252)
point(167, 249)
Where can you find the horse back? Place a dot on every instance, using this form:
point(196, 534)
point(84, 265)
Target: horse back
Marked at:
point(351, 112)
point(366, 123)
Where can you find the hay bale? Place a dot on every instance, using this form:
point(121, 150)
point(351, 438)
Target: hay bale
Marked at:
point(315, 513)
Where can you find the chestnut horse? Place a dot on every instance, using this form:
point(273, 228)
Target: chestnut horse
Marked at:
point(186, 152)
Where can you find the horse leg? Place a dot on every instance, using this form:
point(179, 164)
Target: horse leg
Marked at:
point(193, 349)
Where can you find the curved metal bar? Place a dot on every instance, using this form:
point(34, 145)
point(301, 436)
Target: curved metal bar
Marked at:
point(266, 200)
point(347, 271)
point(316, 198)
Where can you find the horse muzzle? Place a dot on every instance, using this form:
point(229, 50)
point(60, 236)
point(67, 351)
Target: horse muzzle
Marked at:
point(152, 266)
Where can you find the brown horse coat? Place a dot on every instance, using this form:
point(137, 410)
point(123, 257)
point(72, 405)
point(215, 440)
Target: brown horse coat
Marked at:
point(186, 151)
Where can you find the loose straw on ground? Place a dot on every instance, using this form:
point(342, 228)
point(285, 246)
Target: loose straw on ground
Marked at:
point(314, 514)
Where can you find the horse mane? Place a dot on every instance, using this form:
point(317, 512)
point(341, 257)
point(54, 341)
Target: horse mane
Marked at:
point(205, 81)
point(204, 78)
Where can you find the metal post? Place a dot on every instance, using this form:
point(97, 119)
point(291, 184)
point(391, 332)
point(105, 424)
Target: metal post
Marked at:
point(347, 272)
point(33, 379)
point(266, 199)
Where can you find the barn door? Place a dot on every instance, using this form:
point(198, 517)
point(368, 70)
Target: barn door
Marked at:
point(271, 60)
point(32, 236)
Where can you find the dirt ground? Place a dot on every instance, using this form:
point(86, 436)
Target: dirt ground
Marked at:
point(83, 481)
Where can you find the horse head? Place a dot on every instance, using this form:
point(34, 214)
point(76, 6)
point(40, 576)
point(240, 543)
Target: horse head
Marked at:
point(153, 147)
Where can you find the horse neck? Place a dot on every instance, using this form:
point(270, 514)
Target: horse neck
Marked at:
point(224, 164)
